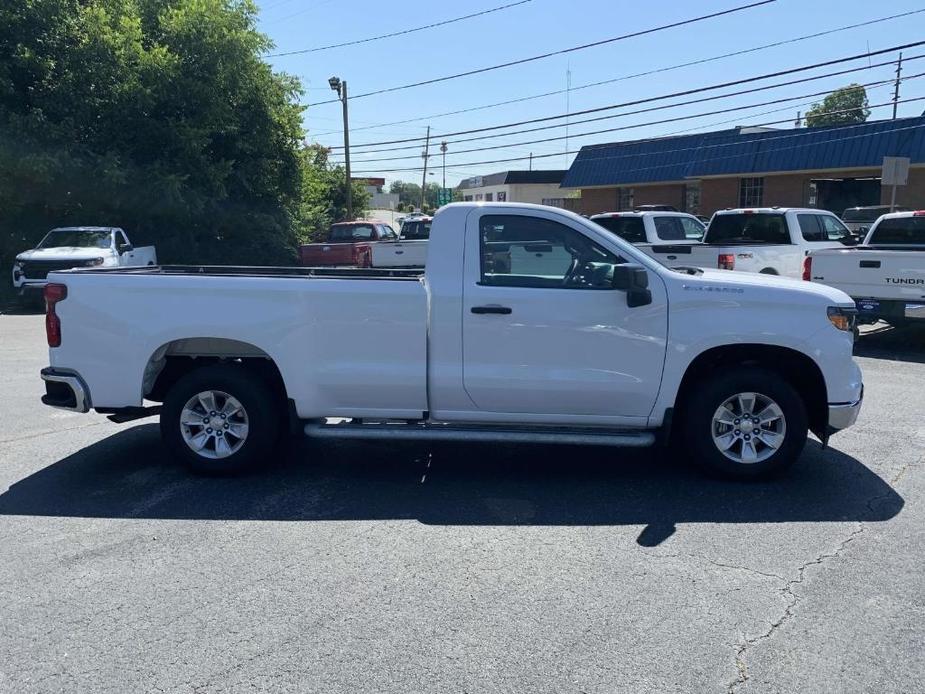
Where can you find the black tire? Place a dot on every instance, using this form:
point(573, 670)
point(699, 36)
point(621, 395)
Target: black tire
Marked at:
point(259, 405)
point(706, 397)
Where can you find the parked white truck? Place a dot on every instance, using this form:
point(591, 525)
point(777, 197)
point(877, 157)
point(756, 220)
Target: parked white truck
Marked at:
point(658, 233)
point(71, 247)
point(767, 240)
point(885, 275)
point(409, 249)
point(605, 346)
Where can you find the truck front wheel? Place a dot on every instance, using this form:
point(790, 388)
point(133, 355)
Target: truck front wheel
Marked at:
point(746, 423)
point(220, 419)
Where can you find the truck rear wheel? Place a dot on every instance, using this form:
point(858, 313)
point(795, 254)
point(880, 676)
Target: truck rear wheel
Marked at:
point(220, 420)
point(746, 423)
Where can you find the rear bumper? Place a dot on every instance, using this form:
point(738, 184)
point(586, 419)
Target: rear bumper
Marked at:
point(871, 310)
point(65, 389)
point(844, 414)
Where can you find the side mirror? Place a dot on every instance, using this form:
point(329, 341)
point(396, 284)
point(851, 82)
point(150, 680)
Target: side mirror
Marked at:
point(851, 240)
point(634, 280)
point(125, 248)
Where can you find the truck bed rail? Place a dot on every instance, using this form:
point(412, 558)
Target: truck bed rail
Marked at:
point(260, 271)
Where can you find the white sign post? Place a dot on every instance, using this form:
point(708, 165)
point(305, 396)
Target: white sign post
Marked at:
point(895, 173)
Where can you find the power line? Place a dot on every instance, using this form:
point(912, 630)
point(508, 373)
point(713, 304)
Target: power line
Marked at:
point(521, 61)
point(649, 109)
point(398, 33)
point(635, 102)
point(646, 124)
point(633, 76)
point(738, 142)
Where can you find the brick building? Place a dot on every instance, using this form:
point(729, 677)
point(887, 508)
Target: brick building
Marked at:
point(829, 168)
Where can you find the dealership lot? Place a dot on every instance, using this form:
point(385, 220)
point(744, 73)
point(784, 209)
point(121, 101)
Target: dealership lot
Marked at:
point(362, 567)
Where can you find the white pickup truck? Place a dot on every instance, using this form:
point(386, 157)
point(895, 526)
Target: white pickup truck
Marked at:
point(885, 275)
point(71, 247)
point(409, 249)
point(592, 343)
point(767, 240)
point(658, 234)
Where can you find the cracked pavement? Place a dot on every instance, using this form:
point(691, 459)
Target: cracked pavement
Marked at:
point(361, 567)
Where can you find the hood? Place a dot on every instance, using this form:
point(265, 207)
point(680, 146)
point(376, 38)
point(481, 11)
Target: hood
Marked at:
point(797, 289)
point(64, 253)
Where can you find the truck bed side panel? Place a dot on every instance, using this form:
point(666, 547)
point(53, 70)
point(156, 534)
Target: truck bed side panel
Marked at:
point(344, 347)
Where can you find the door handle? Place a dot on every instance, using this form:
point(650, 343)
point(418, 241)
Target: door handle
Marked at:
point(870, 263)
point(503, 310)
point(398, 252)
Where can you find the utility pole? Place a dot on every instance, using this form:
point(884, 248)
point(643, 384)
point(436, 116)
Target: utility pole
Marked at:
point(899, 72)
point(531, 161)
point(341, 88)
point(425, 154)
point(443, 151)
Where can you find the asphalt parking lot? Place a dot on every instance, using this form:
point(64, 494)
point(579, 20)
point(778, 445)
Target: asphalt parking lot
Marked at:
point(373, 568)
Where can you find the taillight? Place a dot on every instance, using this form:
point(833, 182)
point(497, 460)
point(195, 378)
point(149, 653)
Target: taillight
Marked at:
point(53, 294)
point(726, 261)
point(807, 268)
point(919, 213)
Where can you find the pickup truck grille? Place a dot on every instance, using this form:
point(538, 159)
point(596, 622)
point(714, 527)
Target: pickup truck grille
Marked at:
point(39, 269)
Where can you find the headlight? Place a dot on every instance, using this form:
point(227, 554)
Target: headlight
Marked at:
point(94, 262)
point(842, 317)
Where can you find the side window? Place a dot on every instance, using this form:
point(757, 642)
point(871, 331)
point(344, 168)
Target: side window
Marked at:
point(834, 229)
point(811, 228)
point(525, 251)
point(693, 230)
point(669, 229)
point(120, 239)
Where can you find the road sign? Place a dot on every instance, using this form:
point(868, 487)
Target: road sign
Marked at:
point(444, 196)
point(895, 171)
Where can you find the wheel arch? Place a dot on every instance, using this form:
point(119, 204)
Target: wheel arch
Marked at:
point(797, 368)
point(173, 360)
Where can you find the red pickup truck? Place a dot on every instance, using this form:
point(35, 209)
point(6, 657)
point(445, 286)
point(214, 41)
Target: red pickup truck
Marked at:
point(347, 244)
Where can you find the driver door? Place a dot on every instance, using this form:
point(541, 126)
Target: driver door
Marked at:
point(544, 332)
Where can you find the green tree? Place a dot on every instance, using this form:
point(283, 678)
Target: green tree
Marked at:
point(323, 199)
point(844, 106)
point(155, 115)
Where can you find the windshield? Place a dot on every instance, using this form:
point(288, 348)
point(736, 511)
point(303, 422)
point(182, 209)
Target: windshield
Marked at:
point(627, 228)
point(76, 238)
point(903, 231)
point(863, 214)
point(761, 227)
point(416, 230)
point(351, 232)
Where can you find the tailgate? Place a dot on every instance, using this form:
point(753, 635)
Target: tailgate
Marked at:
point(399, 254)
point(862, 274)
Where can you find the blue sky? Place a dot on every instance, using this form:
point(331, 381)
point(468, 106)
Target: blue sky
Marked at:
point(541, 26)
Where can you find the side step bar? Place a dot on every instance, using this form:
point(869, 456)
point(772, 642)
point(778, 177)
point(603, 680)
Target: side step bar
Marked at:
point(448, 432)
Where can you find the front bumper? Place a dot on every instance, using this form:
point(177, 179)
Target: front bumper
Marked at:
point(65, 389)
point(843, 414)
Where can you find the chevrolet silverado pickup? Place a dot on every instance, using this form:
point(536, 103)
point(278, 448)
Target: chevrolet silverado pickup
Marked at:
point(70, 247)
point(592, 342)
point(885, 275)
point(659, 233)
point(767, 240)
point(348, 244)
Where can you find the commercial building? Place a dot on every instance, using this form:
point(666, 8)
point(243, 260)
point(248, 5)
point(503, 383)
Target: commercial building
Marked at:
point(377, 199)
point(540, 187)
point(829, 168)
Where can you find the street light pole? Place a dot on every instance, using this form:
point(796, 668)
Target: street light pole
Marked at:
point(341, 88)
point(443, 150)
